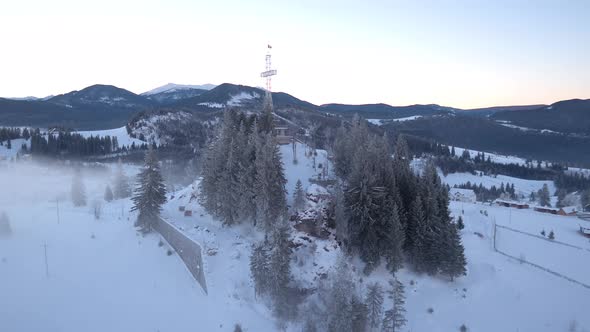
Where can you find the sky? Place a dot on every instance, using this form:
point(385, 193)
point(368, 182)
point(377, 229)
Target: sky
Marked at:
point(464, 54)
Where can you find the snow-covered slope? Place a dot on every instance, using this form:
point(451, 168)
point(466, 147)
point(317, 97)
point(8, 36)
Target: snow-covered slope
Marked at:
point(104, 277)
point(171, 87)
point(120, 133)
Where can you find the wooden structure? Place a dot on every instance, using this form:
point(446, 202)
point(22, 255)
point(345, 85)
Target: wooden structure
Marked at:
point(282, 134)
point(512, 204)
point(181, 208)
point(564, 211)
point(188, 213)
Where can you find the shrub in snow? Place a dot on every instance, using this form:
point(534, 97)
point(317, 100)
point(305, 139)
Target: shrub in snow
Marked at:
point(551, 235)
point(5, 228)
point(543, 232)
point(160, 243)
point(430, 310)
point(238, 328)
point(108, 194)
point(169, 252)
point(463, 328)
point(460, 224)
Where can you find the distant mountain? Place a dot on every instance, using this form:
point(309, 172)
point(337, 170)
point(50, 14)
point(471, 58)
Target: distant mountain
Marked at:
point(172, 96)
point(486, 111)
point(102, 96)
point(171, 87)
point(384, 111)
point(567, 116)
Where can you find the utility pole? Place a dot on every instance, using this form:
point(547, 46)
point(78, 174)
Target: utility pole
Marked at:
point(57, 204)
point(46, 263)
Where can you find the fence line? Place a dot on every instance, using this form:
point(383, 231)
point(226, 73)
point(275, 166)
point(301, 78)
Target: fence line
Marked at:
point(557, 274)
point(188, 250)
point(543, 238)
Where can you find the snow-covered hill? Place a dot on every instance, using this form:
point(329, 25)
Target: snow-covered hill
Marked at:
point(171, 87)
point(105, 277)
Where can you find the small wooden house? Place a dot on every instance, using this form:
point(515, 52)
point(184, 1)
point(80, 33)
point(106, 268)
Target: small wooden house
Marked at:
point(512, 204)
point(546, 209)
point(188, 213)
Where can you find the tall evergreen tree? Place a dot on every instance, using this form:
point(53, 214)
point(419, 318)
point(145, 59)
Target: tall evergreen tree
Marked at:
point(395, 318)
point(78, 189)
point(358, 314)
point(339, 298)
point(298, 197)
point(374, 302)
point(271, 203)
point(453, 260)
point(150, 193)
point(280, 270)
point(260, 268)
point(393, 240)
point(544, 196)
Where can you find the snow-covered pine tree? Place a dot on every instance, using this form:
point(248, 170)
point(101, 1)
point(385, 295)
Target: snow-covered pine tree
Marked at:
point(5, 229)
point(229, 186)
point(460, 224)
point(358, 314)
point(78, 189)
point(395, 318)
point(393, 240)
point(338, 302)
point(260, 268)
point(280, 270)
point(453, 254)
point(341, 217)
point(419, 235)
point(150, 193)
point(271, 203)
point(108, 194)
point(298, 197)
point(247, 175)
point(374, 302)
point(544, 196)
point(363, 197)
point(122, 187)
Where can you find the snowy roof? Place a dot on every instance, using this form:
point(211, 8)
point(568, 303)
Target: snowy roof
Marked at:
point(462, 191)
point(569, 209)
point(546, 208)
point(505, 201)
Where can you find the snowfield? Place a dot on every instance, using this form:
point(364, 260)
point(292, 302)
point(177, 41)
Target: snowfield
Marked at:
point(120, 133)
point(105, 277)
point(521, 186)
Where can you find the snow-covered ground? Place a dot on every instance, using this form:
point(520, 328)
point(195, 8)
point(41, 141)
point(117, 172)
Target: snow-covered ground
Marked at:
point(236, 100)
point(120, 133)
point(104, 277)
point(522, 186)
point(379, 122)
point(496, 158)
point(15, 147)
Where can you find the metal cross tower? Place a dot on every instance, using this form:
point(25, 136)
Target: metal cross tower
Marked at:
point(268, 73)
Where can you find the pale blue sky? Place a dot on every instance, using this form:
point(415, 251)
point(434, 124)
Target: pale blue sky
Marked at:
point(455, 53)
